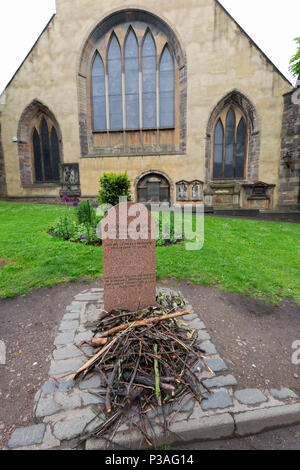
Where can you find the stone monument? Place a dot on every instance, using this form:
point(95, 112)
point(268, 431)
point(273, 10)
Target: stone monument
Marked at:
point(129, 257)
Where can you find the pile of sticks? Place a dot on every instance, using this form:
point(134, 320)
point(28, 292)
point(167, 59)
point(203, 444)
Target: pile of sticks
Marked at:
point(146, 359)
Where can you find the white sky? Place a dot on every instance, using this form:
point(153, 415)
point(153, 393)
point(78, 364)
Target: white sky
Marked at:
point(271, 24)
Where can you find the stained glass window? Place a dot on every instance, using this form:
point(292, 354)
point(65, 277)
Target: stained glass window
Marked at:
point(229, 144)
point(132, 82)
point(218, 157)
point(229, 147)
point(99, 100)
point(240, 149)
point(114, 61)
point(37, 156)
point(166, 89)
point(46, 151)
point(55, 154)
point(149, 82)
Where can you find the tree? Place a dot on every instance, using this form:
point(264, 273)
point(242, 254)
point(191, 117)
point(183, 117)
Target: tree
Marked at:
point(295, 61)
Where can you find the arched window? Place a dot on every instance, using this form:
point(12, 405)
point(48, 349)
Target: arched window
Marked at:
point(46, 151)
point(229, 145)
point(132, 82)
point(149, 82)
point(114, 63)
point(98, 90)
point(166, 89)
point(133, 91)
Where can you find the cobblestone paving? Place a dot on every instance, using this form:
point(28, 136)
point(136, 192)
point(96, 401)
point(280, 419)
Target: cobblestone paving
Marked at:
point(66, 408)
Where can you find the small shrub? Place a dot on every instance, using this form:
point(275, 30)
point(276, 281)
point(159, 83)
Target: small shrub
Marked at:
point(112, 186)
point(85, 213)
point(64, 228)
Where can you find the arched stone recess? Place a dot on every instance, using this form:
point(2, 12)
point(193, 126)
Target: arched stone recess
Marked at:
point(31, 114)
point(239, 100)
point(92, 146)
point(155, 174)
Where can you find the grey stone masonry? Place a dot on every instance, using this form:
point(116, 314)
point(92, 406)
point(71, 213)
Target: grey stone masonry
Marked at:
point(220, 399)
point(250, 396)
point(283, 394)
point(68, 408)
point(216, 364)
point(31, 435)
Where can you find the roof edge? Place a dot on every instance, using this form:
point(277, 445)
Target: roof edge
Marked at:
point(254, 43)
point(27, 55)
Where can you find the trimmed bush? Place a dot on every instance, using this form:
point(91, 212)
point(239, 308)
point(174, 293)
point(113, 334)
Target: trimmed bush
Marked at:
point(112, 186)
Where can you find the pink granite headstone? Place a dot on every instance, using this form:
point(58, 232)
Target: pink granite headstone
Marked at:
point(129, 257)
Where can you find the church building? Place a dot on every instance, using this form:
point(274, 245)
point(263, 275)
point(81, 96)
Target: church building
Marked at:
point(175, 93)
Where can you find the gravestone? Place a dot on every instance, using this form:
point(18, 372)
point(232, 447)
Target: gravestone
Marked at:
point(129, 257)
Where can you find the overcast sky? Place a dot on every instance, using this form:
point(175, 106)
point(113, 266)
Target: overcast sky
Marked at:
point(272, 25)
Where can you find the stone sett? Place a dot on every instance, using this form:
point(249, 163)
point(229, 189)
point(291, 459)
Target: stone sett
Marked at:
point(216, 400)
point(203, 336)
point(71, 428)
point(283, 394)
point(31, 435)
point(63, 339)
point(209, 348)
point(68, 325)
point(67, 352)
point(71, 316)
point(216, 364)
point(92, 382)
point(46, 407)
point(221, 381)
point(250, 396)
point(65, 366)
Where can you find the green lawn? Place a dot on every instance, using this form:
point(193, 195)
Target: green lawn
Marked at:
point(251, 257)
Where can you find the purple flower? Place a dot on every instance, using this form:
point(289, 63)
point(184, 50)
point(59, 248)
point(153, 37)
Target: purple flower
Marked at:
point(66, 199)
point(75, 204)
point(82, 236)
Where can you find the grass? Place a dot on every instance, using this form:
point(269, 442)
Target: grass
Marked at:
point(250, 257)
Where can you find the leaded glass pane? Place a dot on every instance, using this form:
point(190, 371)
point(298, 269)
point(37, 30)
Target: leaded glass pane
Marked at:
point(149, 82)
point(46, 151)
point(37, 156)
point(229, 144)
point(166, 89)
point(115, 85)
point(240, 150)
point(218, 150)
point(99, 102)
point(132, 82)
point(55, 154)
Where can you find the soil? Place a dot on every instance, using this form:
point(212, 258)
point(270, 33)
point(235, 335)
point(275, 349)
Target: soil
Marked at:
point(28, 326)
point(254, 338)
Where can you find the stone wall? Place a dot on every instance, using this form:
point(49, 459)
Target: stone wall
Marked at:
point(220, 58)
point(289, 172)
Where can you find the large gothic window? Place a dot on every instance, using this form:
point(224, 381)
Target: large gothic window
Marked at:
point(230, 145)
point(133, 88)
point(46, 151)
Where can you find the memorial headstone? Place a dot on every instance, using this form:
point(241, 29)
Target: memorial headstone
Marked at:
point(129, 257)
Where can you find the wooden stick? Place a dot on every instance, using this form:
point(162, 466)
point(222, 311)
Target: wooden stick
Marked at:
point(101, 339)
point(157, 378)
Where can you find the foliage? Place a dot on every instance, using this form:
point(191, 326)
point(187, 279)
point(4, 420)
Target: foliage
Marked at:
point(85, 213)
point(295, 60)
point(113, 186)
point(64, 227)
point(253, 257)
